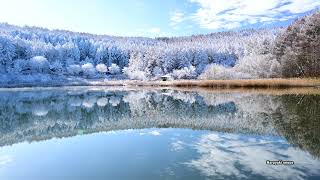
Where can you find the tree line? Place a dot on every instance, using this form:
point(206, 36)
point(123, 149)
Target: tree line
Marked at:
point(252, 53)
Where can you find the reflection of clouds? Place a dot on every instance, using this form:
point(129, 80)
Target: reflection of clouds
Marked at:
point(177, 145)
point(5, 159)
point(153, 133)
point(230, 154)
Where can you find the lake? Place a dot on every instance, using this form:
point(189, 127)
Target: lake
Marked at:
point(144, 133)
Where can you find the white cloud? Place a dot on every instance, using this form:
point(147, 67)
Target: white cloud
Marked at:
point(216, 14)
point(176, 18)
point(300, 6)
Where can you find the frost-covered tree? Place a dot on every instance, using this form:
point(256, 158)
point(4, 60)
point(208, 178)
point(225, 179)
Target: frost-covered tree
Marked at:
point(57, 68)
point(38, 64)
point(114, 69)
point(23, 49)
point(74, 69)
point(200, 61)
point(102, 55)
point(7, 52)
point(101, 68)
point(135, 67)
point(157, 71)
point(298, 48)
point(88, 70)
point(70, 54)
point(185, 73)
point(19, 66)
point(140, 58)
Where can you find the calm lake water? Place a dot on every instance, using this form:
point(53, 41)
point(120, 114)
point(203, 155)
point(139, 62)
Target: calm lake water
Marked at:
point(97, 133)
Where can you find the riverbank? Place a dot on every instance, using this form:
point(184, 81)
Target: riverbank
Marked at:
point(237, 83)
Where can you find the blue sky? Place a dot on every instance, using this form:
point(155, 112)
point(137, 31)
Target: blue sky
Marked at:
point(153, 18)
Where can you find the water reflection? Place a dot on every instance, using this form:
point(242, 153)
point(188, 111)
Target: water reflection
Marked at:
point(241, 156)
point(32, 115)
point(157, 154)
point(246, 129)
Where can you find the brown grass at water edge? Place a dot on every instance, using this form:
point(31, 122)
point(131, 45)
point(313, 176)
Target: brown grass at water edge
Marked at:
point(239, 83)
point(267, 91)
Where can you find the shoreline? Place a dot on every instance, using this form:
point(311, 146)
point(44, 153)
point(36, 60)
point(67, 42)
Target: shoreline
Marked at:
point(234, 83)
point(210, 84)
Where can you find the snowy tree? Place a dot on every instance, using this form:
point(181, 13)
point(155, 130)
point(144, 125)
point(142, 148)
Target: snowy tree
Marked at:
point(114, 69)
point(19, 66)
point(101, 68)
point(57, 68)
point(70, 54)
point(245, 51)
point(39, 64)
point(7, 52)
point(23, 50)
point(214, 71)
point(185, 73)
point(135, 67)
point(157, 71)
point(170, 62)
point(74, 69)
point(102, 55)
point(200, 61)
point(298, 48)
point(134, 74)
point(88, 70)
point(258, 66)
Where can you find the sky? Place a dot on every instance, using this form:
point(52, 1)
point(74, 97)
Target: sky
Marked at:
point(154, 18)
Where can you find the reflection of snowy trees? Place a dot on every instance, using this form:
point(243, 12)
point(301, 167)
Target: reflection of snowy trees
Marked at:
point(42, 114)
point(299, 121)
point(102, 101)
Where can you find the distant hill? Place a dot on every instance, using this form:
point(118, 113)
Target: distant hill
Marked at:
point(65, 53)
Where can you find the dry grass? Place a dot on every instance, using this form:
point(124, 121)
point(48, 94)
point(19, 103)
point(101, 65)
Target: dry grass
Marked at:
point(267, 91)
point(241, 83)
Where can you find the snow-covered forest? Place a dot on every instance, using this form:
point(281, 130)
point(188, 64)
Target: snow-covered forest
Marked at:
point(31, 52)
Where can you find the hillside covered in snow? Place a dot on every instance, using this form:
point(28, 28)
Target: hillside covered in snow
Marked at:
point(31, 54)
